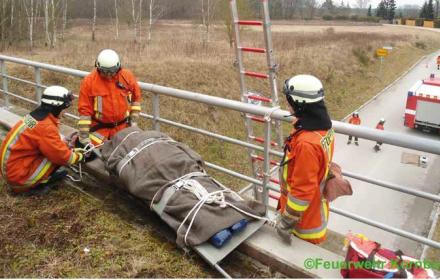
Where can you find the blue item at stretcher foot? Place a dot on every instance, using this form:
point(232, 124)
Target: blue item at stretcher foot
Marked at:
point(220, 238)
point(238, 227)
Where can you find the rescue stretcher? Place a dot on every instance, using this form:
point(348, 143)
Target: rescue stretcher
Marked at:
point(206, 250)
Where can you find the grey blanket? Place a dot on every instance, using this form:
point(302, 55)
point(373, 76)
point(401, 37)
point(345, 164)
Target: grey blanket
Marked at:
point(148, 174)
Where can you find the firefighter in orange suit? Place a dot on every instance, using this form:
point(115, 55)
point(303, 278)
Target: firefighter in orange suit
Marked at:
point(33, 150)
point(355, 120)
point(308, 152)
point(438, 62)
point(109, 100)
point(380, 127)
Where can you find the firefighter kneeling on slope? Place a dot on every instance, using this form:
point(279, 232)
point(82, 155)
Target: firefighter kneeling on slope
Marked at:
point(307, 155)
point(109, 100)
point(33, 150)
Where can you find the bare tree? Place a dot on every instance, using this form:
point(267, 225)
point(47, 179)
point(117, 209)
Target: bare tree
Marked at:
point(54, 23)
point(208, 13)
point(63, 29)
point(12, 12)
point(362, 4)
point(94, 21)
point(3, 20)
point(155, 13)
point(140, 20)
point(46, 22)
point(311, 8)
point(29, 9)
point(116, 19)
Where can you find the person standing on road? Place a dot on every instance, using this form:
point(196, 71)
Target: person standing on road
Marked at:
point(308, 153)
point(33, 151)
point(380, 127)
point(109, 100)
point(355, 120)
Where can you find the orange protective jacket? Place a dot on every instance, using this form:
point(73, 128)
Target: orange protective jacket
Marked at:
point(354, 120)
point(305, 166)
point(31, 151)
point(107, 101)
point(379, 126)
point(438, 59)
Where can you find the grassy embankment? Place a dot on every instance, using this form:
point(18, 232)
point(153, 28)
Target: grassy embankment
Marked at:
point(50, 233)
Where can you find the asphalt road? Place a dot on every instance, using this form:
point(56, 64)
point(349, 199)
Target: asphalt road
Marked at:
point(383, 205)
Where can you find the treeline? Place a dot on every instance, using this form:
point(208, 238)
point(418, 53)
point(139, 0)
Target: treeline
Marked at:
point(47, 20)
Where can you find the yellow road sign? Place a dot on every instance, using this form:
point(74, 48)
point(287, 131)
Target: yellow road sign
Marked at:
point(381, 52)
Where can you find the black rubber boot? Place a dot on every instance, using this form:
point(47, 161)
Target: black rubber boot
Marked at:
point(52, 183)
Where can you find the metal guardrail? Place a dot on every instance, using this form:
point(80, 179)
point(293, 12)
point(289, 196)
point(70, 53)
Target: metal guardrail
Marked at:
point(396, 139)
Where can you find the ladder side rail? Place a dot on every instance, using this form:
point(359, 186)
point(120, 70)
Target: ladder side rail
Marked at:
point(243, 88)
point(271, 66)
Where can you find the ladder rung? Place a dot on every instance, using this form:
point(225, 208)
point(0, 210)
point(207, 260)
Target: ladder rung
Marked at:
point(256, 119)
point(273, 180)
point(255, 50)
point(261, 140)
point(260, 158)
point(274, 196)
point(256, 75)
point(249, 22)
point(259, 98)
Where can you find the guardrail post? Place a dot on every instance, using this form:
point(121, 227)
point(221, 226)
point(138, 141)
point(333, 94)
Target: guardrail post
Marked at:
point(38, 84)
point(5, 82)
point(156, 112)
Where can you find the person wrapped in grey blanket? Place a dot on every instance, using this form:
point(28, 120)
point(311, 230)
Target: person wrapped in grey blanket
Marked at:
point(171, 178)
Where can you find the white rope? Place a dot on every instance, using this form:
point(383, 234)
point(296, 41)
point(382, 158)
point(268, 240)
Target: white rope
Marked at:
point(85, 150)
point(268, 115)
point(171, 183)
point(216, 197)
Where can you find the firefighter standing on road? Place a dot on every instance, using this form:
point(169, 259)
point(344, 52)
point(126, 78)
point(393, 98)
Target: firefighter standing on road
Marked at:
point(33, 150)
point(380, 127)
point(109, 100)
point(308, 153)
point(438, 62)
point(355, 120)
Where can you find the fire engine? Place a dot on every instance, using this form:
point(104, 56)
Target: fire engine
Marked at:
point(423, 105)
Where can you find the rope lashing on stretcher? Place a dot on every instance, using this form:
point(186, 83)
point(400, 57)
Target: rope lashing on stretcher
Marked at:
point(217, 197)
point(87, 149)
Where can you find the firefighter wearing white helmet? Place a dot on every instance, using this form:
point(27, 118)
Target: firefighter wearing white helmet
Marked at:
point(308, 153)
point(109, 100)
point(354, 120)
point(108, 62)
point(57, 96)
point(33, 150)
point(380, 126)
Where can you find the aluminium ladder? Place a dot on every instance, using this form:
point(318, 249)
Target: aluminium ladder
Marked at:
point(248, 96)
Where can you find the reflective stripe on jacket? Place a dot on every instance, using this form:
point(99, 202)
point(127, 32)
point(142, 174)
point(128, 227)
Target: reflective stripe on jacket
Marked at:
point(107, 101)
point(306, 164)
point(354, 120)
point(32, 150)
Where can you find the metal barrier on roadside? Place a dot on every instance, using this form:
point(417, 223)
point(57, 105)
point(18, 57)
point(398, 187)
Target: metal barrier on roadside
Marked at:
point(264, 185)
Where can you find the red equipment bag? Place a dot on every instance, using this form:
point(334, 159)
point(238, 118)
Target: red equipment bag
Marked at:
point(366, 259)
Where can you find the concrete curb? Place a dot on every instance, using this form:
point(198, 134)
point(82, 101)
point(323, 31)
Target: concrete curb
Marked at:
point(387, 87)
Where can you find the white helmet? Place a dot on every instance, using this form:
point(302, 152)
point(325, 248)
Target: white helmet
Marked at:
point(356, 113)
point(57, 96)
point(303, 89)
point(108, 61)
point(382, 120)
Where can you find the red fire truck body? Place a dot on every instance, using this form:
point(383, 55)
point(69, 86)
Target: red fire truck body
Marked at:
point(423, 105)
